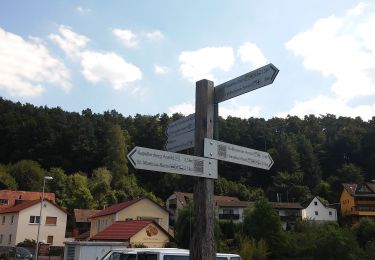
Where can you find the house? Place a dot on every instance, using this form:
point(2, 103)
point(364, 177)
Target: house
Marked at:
point(134, 232)
point(135, 209)
point(82, 223)
point(21, 221)
point(232, 210)
point(179, 200)
point(357, 201)
point(10, 198)
point(288, 212)
point(314, 209)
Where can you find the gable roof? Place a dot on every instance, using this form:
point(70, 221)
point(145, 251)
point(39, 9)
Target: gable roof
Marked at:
point(14, 196)
point(185, 197)
point(124, 230)
point(286, 205)
point(120, 206)
point(235, 203)
point(354, 189)
point(83, 215)
point(27, 204)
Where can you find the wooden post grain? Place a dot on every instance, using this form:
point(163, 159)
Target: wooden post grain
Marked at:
point(202, 246)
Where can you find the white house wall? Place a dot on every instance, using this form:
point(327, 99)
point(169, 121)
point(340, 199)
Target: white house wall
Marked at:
point(8, 228)
point(323, 212)
point(30, 231)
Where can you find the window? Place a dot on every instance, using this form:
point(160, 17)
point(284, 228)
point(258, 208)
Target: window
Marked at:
point(34, 219)
point(12, 220)
point(330, 213)
point(315, 203)
point(50, 240)
point(316, 213)
point(10, 238)
point(51, 221)
point(1, 238)
point(3, 201)
point(3, 222)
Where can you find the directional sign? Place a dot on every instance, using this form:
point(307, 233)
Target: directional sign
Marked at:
point(237, 154)
point(180, 126)
point(162, 161)
point(180, 142)
point(248, 82)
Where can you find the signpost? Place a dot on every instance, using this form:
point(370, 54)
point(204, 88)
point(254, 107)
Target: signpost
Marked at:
point(237, 154)
point(180, 142)
point(248, 82)
point(197, 130)
point(180, 134)
point(180, 126)
point(162, 161)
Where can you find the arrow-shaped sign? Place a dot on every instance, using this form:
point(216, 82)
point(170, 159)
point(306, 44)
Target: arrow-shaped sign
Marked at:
point(162, 161)
point(180, 142)
point(248, 82)
point(180, 126)
point(237, 154)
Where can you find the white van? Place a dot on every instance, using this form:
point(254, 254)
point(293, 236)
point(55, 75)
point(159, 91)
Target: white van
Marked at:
point(159, 254)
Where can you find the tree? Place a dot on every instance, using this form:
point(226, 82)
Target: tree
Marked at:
point(79, 195)
point(28, 175)
point(262, 222)
point(364, 231)
point(6, 178)
point(183, 226)
point(59, 185)
point(100, 187)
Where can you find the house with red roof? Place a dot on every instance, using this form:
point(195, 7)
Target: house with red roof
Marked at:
point(10, 198)
point(21, 221)
point(134, 209)
point(135, 232)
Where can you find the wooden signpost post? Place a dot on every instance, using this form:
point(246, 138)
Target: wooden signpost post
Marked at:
point(198, 130)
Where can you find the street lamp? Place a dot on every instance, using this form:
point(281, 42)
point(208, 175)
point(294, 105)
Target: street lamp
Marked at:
point(40, 214)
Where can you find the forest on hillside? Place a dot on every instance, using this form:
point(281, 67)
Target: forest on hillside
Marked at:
point(86, 154)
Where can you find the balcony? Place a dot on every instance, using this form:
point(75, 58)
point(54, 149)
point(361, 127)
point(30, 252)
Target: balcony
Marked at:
point(229, 216)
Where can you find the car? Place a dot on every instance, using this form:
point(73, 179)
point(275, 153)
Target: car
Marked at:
point(20, 253)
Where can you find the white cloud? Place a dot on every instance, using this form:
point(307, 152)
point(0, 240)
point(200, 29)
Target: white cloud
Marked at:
point(97, 66)
point(161, 70)
point(184, 108)
point(109, 67)
point(250, 53)
point(155, 35)
point(25, 67)
point(83, 10)
point(200, 64)
point(357, 10)
point(322, 105)
point(236, 110)
point(344, 49)
point(335, 48)
point(69, 41)
point(127, 37)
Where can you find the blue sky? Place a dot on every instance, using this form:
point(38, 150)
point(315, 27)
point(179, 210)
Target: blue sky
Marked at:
point(145, 56)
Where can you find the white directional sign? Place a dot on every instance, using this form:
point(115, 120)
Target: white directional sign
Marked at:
point(237, 154)
point(162, 161)
point(248, 82)
point(180, 142)
point(180, 126)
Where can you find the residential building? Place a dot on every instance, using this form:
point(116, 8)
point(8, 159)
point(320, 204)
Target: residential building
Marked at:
point(314, 209)
point(134, 209)
point(135, 232)
point(179, 200)
point(357, 201)
point(288, 212)
point(10, 198)
point(232, 210)
point(82, 223)
point(21, 221)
